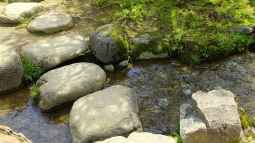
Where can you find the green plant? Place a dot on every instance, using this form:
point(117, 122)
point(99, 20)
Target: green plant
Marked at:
point(35, 93)
point(31, 71)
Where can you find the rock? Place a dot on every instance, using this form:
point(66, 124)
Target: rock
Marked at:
point(103, 114)
point(16, 12)
point(123, 64)
point(11, 69)
point(7, 135)
point(109, 68)
point(142, 137)
point(212, 118)
point(106, 48)
point(149, 55)
point(243, 29)
point(51, 52)
point(51, 22)
point(68, 83)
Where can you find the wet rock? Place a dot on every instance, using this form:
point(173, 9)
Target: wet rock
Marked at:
point(68, 83)
point(11, 69)
point(141, 137)
point(103, 114)
point(109, 68)
point(105, 47)
point(17, 12)
point(212, 118)
point(51, 22)
point(123, 64)
point(50, 52)
point(7, 135)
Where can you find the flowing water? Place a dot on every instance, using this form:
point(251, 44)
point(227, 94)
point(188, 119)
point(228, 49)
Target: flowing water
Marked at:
point(161, 86)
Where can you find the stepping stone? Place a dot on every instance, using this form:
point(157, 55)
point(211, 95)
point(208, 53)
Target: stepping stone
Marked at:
point(11, 69)
point(210, 117)
point(141, 137)
point(103, 114)
point(17, 12)
point(51, 22)
point(68, 83)
point(51, 52)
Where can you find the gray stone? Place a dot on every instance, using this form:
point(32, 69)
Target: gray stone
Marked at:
point(149, 55)
point(103, 114)
point(210, 118)
point(109, 68)
point(51, 52)
point(124, 64)
point(68, 83)
point(11, 69)
point(16, 12)
point(51, 22)
point(105, 47)
point(141, 137)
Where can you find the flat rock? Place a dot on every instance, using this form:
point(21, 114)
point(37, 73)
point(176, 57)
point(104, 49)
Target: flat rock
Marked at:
point(211, 117)
point(51, 22)
point(51, 52)
point(7, 135)
point(18, 11)
point(141, 137)
point(68, 83)
point(103, 114)
point(11, 69)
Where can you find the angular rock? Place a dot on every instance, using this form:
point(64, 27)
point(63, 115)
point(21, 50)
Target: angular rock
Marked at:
point(142, 137)
point(103, 114)
point(11, 69)
point(16, 12)
point(105, 47)
point(210, 118)
point(51, 52)
point(68, 83)
point(7, 135)
point(51, 22)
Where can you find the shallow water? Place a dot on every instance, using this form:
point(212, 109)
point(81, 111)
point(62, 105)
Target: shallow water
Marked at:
point(160, 86)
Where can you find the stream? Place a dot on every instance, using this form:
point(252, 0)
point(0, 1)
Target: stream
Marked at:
point(161, 86)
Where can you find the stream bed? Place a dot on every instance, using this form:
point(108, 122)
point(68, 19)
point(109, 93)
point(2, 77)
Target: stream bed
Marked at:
point(161, 86)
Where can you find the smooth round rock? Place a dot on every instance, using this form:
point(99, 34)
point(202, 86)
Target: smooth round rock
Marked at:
point(51, 52)
point(16, 12)
point(68, 83)
point(11, 69)
point(103, 114)
point(51, 22)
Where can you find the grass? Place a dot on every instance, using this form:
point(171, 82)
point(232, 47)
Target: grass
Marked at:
point(32, 72)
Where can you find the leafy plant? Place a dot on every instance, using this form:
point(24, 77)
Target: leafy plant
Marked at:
point(31, 71)
point(35, 93)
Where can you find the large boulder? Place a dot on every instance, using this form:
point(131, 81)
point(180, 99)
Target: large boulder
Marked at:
point(103, 114)
point(141, 137)
point(11, 69)
point(210, 117)
point(17, 12)
point(51, 22)
point(50, 52)
point(106, 45)
point(68, 83)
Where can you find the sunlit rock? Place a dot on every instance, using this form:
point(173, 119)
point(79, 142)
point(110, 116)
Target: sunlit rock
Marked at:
point(51, 52)
point(11, 70)
point(68, 83)
point(211, 117)
point(103, 114)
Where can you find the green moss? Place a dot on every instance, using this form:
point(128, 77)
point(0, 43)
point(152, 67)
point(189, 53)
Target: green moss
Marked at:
point(31, 71)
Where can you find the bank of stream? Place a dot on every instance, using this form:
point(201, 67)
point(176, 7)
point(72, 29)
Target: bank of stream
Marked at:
point(161, 86)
